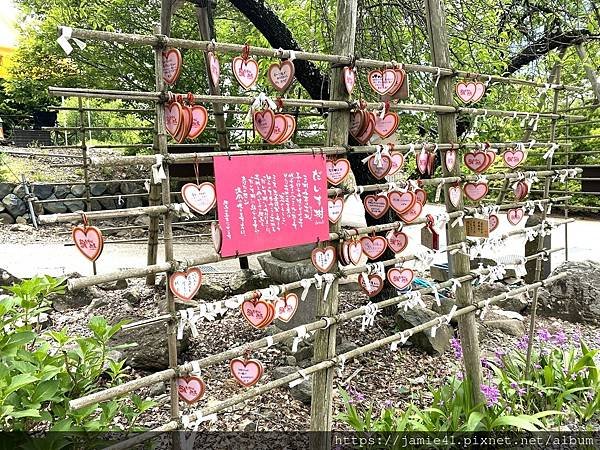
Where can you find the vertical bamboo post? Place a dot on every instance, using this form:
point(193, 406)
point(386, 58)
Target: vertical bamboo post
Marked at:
point(589, 70)
point(161, 139)
point(459, 263)
point(338, 125)
point(86, 176)
point(540, 238)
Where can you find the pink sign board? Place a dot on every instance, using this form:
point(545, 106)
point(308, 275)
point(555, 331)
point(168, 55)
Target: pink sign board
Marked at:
point(268, 202)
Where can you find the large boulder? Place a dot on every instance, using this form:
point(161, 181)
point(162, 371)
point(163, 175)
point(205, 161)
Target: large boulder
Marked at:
point(14, 205)
point(78, 190)
point(575, 297)
point(248, 280)
point(61, 191)
point(54, 207)
point(6, 219)
point(75, 299)
point(434, 345)
point(485, 291)
point(5, 189)
point(7, 279)
point(74, 205)
point(42, 191)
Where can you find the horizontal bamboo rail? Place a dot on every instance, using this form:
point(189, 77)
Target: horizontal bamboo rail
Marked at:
point(153, 41)
point(112, 214)
point(97, 128)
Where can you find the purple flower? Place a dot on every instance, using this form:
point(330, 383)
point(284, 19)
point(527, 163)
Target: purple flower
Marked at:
point(460, 376)
point(455, 343)
point(544, 335)
point(491, 394)
point(500, 357)
point(520, 391)
point(559, 339)
point(537, 366)
point(388, 404)
point(355, 396)
point(523, 343)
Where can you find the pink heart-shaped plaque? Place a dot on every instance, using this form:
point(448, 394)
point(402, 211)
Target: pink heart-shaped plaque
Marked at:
point(400, 278)
point(173, 115)
point(479, 91)
point(201, 198)
point(246, 372)
point(217, 237)
point(454, 194)
point(515, 215)
point(245, 71)
point(264, 122)
point(476, 161)
point(373, 246)
point(185, 285)
point(512, 158)
point(355, 251)
point(493, 222)
point(337, 170)
point(215, 68)
point(370, 284)
point(285, 308)
point(349, 76)
point(199, 121)
point(397, 240)
point(376, 205)
point(387, 125)
point(521, 189)
point(382, 80)
point(401, 202)
point(421, 196)
point(171, 65)
point(88, 241)
point(397, 162)
point(279, 129)
point(412, 213)
point(379, 169)
point(475, 191)
point(281, 75)
point(423, 162)
point(323, 258)
point(335, 207)
point(190, 389)
point(257, 313)
point(450, 158)
point(366, 134)
point(465, 91)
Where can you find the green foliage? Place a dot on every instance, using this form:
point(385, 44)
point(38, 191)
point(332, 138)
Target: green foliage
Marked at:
point(40, 371)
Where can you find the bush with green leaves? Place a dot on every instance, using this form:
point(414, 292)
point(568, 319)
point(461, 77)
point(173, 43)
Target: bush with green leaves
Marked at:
point(41, 370)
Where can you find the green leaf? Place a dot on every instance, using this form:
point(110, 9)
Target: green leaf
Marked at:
point(45, 391)
point(19, 381)
point(474, 420)
point(26, 413)
point(521, 422)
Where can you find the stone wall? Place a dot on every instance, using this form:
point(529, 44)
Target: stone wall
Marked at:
point(14, 207)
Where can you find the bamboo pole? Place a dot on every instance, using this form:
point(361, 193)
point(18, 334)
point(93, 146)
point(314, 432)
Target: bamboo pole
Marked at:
point(589, 70)
point(137, 39)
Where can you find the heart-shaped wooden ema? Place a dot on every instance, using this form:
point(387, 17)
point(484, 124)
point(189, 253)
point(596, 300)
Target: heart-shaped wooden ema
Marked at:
point(450, 159)
point(215, 68)
point(335, 207)
point(343, 258)
point(400, 278)
point(397, 240)
point(355, 251)
point(381, 169)
point(376, 205)
point(454, 194)
point(431, 162)
point(421, 196)
point(290, 123)
point(323, 258)
point(245, 71)
point(279, 129)
point(201, 198)
point(465, 91)
point(515, 215)
point(246, 372)
point(491, 156)
point(281, 75)
point(401, 202)
point(184, 285)
point(190, 389)
point(369, 129)
point(286, 307)
point(186, 124)
point(412, 213)
point(386, 126)
point(476, 161)
point(171, 65)
point(373, 246)
point(337, 170)
point(358, 122)
point(264, 122)
point(199, 121)
point(258, 313)
point(398, 82)
point(479, 91)
point(397, 162)
point(89, 241)
point(512, 158)
point(217, 237)
point(493, 222)
point(173, 117)
point(475, 191)
point(423, 162)
point(382, 80)
point(349, 77)
point(375, 284)
point(521, 189)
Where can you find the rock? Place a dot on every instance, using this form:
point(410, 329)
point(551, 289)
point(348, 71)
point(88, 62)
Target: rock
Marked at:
point(137, 233)
point(248, 280)
point(133, 296)
point(573, 298)
point(485, 291)
point(423, 340)
point(78, 190)
point(444, 307)
point(2, 208)
point(249, 426)
point(113, 187)
point(74, 205)
point(97, 303)
point(6, 219)
point(512, 327)
point(61, 191)
point(42, 191)
point(531, 248)
point(14, 205)
point(112, 355)
point(286, 272)
point(293, 254)
point(210, 291)
point(151, 352)
point(290, 361)
point(22, 227)
point(7, 279)
point(129, 187)
point(21, 220)
point(117, 285)
point(5, 189)
point(95, 205)
point(302, 391)
point(97, 189)
point(143, 221)
point(75, 299)
point(133, 202)
point(345, 346)
point(54, 207)
point(19, 191)
point(157, 389)
point(108, 203)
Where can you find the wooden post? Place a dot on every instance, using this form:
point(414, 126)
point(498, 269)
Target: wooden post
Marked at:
point(459, 263)
point(589, 70)
point(86, 176)
point(338, 125)
point(540, 238)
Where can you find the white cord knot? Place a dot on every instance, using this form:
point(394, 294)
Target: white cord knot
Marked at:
point(368, 319)
point(158, 171)
point(188, 317)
